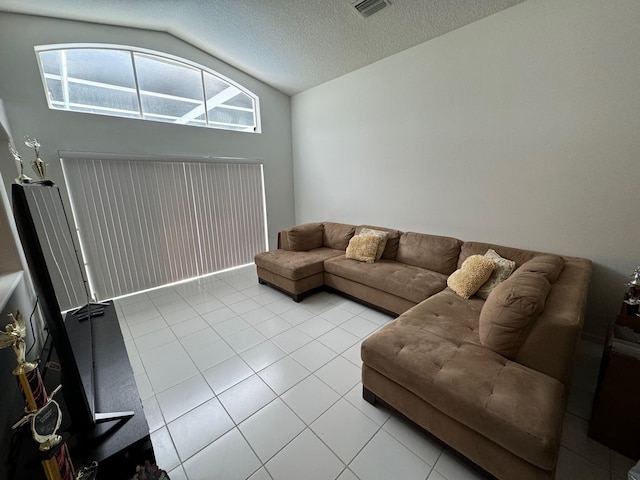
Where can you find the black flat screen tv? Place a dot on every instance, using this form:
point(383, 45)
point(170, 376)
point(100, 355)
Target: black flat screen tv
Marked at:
point(74, 354)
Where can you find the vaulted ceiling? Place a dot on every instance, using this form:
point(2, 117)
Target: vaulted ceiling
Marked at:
point(292, 45)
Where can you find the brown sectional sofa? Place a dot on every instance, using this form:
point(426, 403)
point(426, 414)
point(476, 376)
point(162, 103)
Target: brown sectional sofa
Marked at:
point(487, 377)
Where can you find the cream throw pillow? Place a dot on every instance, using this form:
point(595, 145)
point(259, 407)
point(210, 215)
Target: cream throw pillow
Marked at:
point(474, 271)
point(502, 271)
point(380, 234)
point(363, 248)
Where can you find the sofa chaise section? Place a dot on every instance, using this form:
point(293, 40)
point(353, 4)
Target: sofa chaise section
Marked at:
point(297, 266)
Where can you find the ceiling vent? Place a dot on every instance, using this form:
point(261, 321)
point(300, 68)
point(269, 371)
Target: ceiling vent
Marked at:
point(366, 8)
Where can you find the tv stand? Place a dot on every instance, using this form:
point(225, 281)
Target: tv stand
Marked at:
point(120, 439)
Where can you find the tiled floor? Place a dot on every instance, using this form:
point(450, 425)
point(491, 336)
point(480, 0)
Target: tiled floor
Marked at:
point(239, 382)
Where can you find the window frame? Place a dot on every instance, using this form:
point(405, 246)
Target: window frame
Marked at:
point(140, 114)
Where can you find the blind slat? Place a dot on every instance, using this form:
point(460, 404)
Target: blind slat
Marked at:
point(143, 223)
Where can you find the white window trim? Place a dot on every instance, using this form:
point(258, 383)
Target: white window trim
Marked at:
point(155, 53)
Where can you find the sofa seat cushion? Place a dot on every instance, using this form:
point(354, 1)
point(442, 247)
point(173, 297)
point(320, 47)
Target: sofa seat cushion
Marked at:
point(405, 281)
point(295, 265)
point(433, 350)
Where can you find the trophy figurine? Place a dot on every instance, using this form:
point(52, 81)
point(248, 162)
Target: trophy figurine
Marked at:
point(41, 410)
point(634, 288)
point(38, 165)
point(22, 178)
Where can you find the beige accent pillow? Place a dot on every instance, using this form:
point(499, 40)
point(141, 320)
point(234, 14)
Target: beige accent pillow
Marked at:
point(383, 239)
point(510, 311)
point(305, 237)
point(502, 271)
point(363, 248)
point(473, 272)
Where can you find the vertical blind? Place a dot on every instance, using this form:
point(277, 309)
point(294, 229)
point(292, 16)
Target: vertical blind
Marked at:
point(147, 222)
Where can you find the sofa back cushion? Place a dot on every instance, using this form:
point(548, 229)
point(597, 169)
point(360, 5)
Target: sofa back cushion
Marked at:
point(510, 311)
point(433, 252)
point(391, 248)
point(337, 235)
point(518, 255)
point(545, 264)
point(303, 237)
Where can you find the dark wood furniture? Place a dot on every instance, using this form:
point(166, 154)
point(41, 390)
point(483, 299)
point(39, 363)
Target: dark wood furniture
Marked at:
point(615, 418)
point(118, 446)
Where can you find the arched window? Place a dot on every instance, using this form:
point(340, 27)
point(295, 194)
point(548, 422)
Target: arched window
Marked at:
point(135, 83)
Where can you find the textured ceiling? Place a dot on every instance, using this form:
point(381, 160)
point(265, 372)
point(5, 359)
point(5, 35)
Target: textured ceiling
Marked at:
point(291, 45)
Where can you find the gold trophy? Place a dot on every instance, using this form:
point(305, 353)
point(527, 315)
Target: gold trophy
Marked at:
point(22, 178)
point(43, 412)
point(38, 165)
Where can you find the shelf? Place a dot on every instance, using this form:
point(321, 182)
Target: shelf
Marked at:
point(8, 283)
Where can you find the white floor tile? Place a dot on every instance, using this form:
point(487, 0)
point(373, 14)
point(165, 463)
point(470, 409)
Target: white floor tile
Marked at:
point(291, 340)
point(451, 467)
point(347, 475)
point(208, 306)
point(572, 466)
point(281, 306)
point(167, 366)
point(246, 398)
point(210, 355)
point(414, 439)
point(384, 457)
point(344, 429)
point(153, 414)
point(339, 374)
point(310, 398)
point(375, 316)
point(228, 458)
point(231, 326)
point(189, 327)
point(306, 458)
point(271, 428)
point(244, 306)
point(283, 374)
point(164, 450)
point(167, 372)
point(147, 326)
point(574, 437)
point(177, 474)
point(313, 355)
point(144, 386)
point(261, 474)
point(337, 315)
point(353, 354)
point(338, 339)
point(273, 326)
point(245, 339)
point(230, 299)
point(435, 476)
point(316, 326)
point(360, 327)
point(179, 316)
point(377, 413)
point(217, 316)
point(154, 340)
point(226, 374)
point(257, 316)
point(297, 315)
point(199, 427)
point(262, 355)
point(184, 396)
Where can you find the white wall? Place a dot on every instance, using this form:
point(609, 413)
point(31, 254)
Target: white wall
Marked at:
point(521, 129)
point(23, 95)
